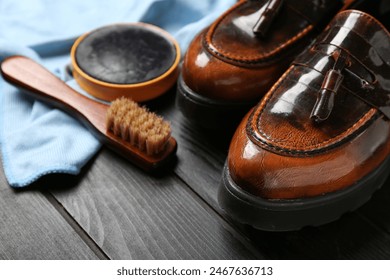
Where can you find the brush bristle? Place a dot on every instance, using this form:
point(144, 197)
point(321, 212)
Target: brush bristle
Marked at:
point(136, 125)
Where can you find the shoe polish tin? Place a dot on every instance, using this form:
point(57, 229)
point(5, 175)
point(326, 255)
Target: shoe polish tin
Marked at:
point(136, 60)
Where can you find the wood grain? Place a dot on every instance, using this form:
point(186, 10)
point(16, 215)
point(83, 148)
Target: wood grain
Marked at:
point(132, 215)
point(32, 229)
point(351, 237)
point(201, 152)
point(377, 211)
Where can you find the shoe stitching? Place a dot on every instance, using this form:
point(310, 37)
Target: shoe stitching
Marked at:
point(208, 42)
point(363, 122)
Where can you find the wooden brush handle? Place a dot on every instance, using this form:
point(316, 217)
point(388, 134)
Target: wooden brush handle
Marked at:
point(27, 74)
point(42, 84)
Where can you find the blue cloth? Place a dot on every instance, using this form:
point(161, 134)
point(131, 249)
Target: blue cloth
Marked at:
point(36, 139)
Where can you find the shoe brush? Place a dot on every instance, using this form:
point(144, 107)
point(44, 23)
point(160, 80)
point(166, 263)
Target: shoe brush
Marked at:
point(130, 130)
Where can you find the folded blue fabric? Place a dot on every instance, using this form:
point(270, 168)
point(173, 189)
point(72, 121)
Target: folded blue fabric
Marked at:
point(36, 139)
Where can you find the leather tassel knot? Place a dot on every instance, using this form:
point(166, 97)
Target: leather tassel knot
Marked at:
point(264, 23)
point(330, 86)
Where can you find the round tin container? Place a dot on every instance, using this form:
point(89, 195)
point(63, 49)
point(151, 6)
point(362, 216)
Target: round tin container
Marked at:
point(135, 60)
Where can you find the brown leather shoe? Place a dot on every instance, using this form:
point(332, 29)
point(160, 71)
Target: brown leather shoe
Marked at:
point(318, 145)
point(233, 63)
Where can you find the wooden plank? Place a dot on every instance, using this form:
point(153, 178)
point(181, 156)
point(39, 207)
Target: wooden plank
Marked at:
point(351, 237)
point(201, 152)
point(32, 229)
point(201, 156)
point(377, 210)
point(131, 215)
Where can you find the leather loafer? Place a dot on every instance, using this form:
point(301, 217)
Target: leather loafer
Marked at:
point(318, 144)
point(233, 63)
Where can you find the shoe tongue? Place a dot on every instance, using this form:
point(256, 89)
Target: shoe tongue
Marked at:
point(359, 33)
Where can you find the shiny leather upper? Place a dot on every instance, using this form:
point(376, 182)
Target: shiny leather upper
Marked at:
point(279, 152)
point(229, 61)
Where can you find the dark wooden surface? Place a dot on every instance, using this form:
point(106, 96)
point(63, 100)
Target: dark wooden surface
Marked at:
point(31, 228)
point(113, 210)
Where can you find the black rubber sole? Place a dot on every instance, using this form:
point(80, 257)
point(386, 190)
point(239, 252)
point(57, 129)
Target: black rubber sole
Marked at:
point(294, 214)
point(209, 113)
